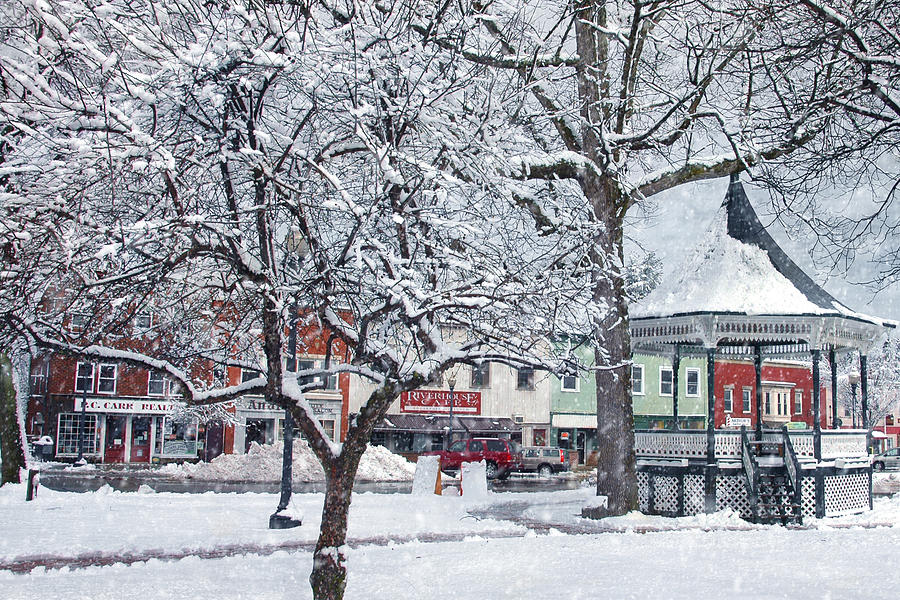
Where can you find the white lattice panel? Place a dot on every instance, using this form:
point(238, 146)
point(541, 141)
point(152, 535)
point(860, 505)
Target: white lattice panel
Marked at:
point(846, 493)
point(670, 444)
point(808, 496)
point(731, 492)
point(643, 480)
point(843, 445)
point(665, 494)
point(694, 494)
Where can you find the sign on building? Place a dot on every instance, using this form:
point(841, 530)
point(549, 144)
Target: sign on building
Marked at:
point(438, 401)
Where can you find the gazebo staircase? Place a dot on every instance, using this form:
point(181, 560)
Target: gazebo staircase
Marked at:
point(771, 474)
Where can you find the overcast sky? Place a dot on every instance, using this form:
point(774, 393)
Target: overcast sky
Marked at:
point(682, 215)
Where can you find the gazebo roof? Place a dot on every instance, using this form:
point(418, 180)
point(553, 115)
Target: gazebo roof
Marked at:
point(739, 287)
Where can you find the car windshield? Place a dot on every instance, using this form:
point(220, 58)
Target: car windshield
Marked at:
point(457, 447)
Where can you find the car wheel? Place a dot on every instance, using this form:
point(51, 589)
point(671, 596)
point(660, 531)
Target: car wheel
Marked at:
point(545, 471)
point(878, 466)
point(491, 470)
point(505, 475)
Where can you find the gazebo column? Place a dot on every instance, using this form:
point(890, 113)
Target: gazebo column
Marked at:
point(817, 435)
point(834, 411)
point(709, 503)
point(757, 364)
point(676, 363)
point(864, 396)
point(817, 429)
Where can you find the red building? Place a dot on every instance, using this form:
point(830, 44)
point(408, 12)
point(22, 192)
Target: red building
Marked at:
point(786, 394)
point(132, 415)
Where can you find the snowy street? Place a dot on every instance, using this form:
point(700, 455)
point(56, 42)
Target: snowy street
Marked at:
point(404, 546)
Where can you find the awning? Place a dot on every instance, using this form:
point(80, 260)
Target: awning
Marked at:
point(879, 435)
point(564, 421)
point(440, 423)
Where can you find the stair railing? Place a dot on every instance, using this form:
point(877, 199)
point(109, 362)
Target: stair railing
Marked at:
point(792, 467)
point(751, 473)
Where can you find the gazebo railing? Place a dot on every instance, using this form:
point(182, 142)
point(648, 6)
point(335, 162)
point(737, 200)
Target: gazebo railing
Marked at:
point(664, 444)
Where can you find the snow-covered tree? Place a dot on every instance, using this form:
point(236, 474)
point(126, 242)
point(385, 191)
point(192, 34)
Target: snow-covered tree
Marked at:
point(230, 166)
point(627, 99)
point(855, 159)
point(12, 457)
point(883, 383)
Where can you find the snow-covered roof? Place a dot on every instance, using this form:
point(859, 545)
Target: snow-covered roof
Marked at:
point(738, 268)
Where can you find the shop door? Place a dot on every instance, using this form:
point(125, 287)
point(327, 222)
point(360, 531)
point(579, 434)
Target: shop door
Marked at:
point(140, 439)
point(256, 432)
point(115, 439)
point(215, 439)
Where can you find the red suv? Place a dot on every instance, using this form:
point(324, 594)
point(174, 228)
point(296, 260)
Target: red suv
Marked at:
point(501, 456)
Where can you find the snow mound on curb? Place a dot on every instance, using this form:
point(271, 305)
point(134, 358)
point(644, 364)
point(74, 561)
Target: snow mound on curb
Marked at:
point(263, 463)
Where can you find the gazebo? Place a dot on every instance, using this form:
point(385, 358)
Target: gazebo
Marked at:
point(740, 295)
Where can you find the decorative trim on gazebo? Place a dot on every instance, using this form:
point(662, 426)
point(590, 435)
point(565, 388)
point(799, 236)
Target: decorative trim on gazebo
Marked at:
point(754, 302)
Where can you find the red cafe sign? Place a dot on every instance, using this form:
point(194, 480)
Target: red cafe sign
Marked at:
point(438, 401)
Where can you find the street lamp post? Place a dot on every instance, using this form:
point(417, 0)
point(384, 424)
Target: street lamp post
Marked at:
point(81, 460)
point(296, 245)
point(452, 383)
point(853, 378)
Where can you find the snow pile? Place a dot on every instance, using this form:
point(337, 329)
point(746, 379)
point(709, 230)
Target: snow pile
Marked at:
point(427, 469)
point(474, 480)
point(726, 275)
point(263, 463)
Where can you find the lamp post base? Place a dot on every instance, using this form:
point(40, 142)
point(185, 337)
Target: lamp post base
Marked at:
point(279, 521)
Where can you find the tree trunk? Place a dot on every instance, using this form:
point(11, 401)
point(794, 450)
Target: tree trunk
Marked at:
point(616, 476)
point(10, 435)
point(329, 573)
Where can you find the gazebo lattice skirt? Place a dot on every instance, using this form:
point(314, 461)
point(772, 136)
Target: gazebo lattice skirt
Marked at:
point(673, 485)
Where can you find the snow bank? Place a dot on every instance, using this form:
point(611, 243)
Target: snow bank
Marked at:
point(263, 463)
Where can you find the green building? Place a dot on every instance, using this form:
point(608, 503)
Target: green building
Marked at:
point(651, 392)
point(573, 409)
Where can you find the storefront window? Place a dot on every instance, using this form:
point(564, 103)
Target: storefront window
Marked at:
point(403, 441)
point(67, 434)
point(176, 436)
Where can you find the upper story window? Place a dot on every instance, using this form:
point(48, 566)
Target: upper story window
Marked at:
point(248, 374)
point(693, 382)
point(665, 381)
point(40, 373)
point(157, 384)
point(481, 375)
point(143, 321)
point(106, 381)
point(79, 321)
point(525, 379)
point(304, 364)
point(746, 399)
point(84, 377)
point(637, 380)
point(729, 399)
point(569, 383)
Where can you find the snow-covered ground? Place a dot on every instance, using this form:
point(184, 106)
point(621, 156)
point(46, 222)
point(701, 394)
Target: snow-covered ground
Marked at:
point(475, 555)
